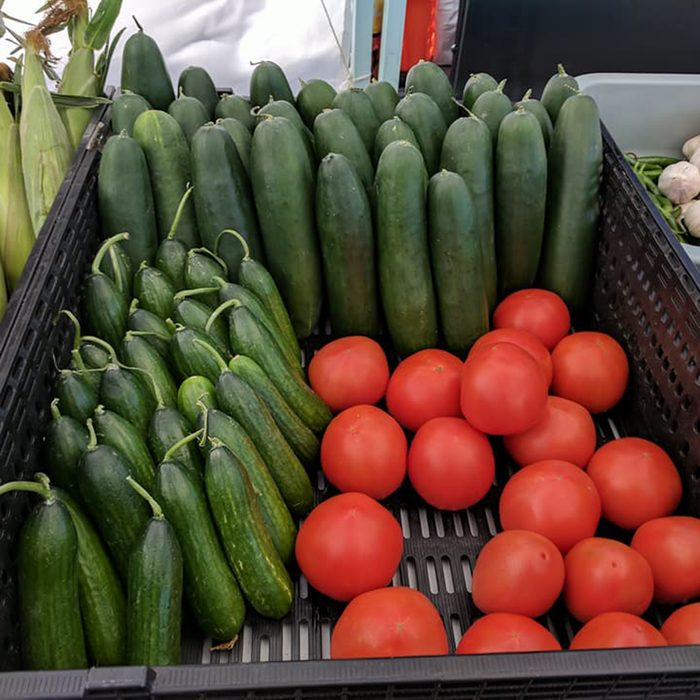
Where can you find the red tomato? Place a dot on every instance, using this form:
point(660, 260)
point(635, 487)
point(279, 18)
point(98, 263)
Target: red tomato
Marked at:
point(553, 498)
point(636, 481)
point(683, 625)
point(617, 630)
point(591, 369)
point(424, 386)
point(349, 371)
point(528, 342)
point(518, 572)
point(503, 390)
point(394, 621)
point(349, 544)
point(450, 464)
point(604, 575)
point(537, 311)
point(566, 431)
point(364, 449)
point(672, 546)
point(500, 633)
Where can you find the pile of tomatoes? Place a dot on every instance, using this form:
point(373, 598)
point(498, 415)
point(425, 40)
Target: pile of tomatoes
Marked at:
point(535, 386)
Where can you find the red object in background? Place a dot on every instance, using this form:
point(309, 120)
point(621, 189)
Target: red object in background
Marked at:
point(418, 32)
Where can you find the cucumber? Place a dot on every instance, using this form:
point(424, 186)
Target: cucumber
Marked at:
point(336, 133)
point(344, 221)
point(236, 107)
point(66, 440)
point(476, 85)
point(117, 432)
point(282, 108)
point(559, 88)
point(314, 96)
point(384, 98)
point(284, 201)
point(249, 337)
point(248, 546)
point(154, 291)
point(189, 113)
point(299, 436)
point(241, 137)
point(194, 314)
point(275, 514)
point(192, 390)
point(405, 278)
point(123, 178)
point(521, 193)
point(76, 395)
point(222, 194)
point(117, 266)
point(393, 129)
point(268, 80)
point(145, 73)
point(189, 357)
point(468, 151)
point(575, 169)
point(125, 108)
point(425, 119)
point(126, 394)
point(168, 429)
point(201, 267)
point(154, 593)
point(154, 328)
point(429, 78)
point(170, 260)
point(455, 250)
point(135, 351)
point(538, 109)
point(358, 106)
point(210, 586)
point(195, 82)
point(167, 155)
point(491, 107)
point(94, 356)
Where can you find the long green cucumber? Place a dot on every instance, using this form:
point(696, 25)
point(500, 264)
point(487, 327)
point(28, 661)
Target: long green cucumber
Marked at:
point(540, 111)
point(194, 314)
point(423, 115)
point(268, 80)
point(282, 108)
point(196, 82)
point(428, 77)
point(236, 107)
point(384, 98)
point(66, 440)
point(126, 393)
point(193, 391)
point(77, 396)
point(559, 88)
point(116, 264)
point(135, 351)
point(405, 277)
point(491, 106)
point(393, 129)
point(189, 113)
point(154, 291)
point(189, 357)
point(155, 330)
point(125, 108)
point(477, 84)
point(201, 267)
point(358, 106)
point(241, 137)
point(314, 96)
point(166, 438)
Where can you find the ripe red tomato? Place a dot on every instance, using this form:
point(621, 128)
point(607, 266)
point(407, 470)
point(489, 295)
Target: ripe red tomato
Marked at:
point(553, 498)
point(566, 431)
point(590, 368)
point(636, 481)
point(537, 311)
point(617, 630)
point(349, 371)
point(393, 621)
point(349, 544)
point(672, 546)
point(503, 390)
point(364, 449)
point(604, 575)
point(450, 464)
point(424, 386)
point(528, 342)
point(683, 625)
point(518, 572)
point(500, 633)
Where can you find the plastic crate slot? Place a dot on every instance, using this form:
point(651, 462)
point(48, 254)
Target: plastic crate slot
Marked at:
point(447, 575)
point(286, 640)
point(457, 522)
point(325, 639)
point(321, 481)
point(264, 649)
point(439, 524)
point(471, 522)
point(467, 573)
point(303, 587)
point(405, 523)
point(490, 522)
point(432, 575)
point(423, 520)
point(303, 640)
point(411, 576)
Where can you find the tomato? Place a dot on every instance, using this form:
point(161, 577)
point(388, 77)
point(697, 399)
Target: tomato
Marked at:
point(553, 498)
point(537, 311)
point(566, 431)
point(636, 480)
point(394, 621)
point(364, 449)
point(503, 390)
point(528, 342)
point(349, 544)
point(500, 633)
point(617, 630)
point(518, 572)
point(349, 371)
point(672, 546)
point(424, 386)
point(450, 464)
point(605, 575)
point(590, 368)
point(683, 625)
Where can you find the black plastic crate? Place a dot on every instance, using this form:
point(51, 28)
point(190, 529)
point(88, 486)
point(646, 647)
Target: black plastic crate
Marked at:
point(646, 294)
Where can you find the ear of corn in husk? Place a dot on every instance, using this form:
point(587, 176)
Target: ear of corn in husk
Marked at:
point(78, 79)
point(3, 293)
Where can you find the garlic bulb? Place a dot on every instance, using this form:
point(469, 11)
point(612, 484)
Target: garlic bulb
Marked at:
point(685, 206)
point(691, 219)
point(691, 146)
point(680, 182)
point(695, 159)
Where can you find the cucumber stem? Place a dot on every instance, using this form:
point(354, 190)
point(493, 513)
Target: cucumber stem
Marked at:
point(115, 267)
point(103, 344)
point(241, 240)
point(181, 443)
point(235, 303)
point(501, 86)
point(155, 506)
point(43, 479)
point(183, 294)
point(178, 214)
point(137, 23)
point(172, 326)
point(561, 70)
point(527, 94)
point(133, 306)
point(30, 486)
point(214, 256)
point(92, 442)
point(74, 320)
point(154, 385)
point(103, 250)
point(78, 360)
point(205, 412)
point(223, 367)
point(55, 411)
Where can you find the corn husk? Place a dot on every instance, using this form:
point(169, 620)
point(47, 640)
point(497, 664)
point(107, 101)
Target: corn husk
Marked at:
point(78, 79)
point(3, 293)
